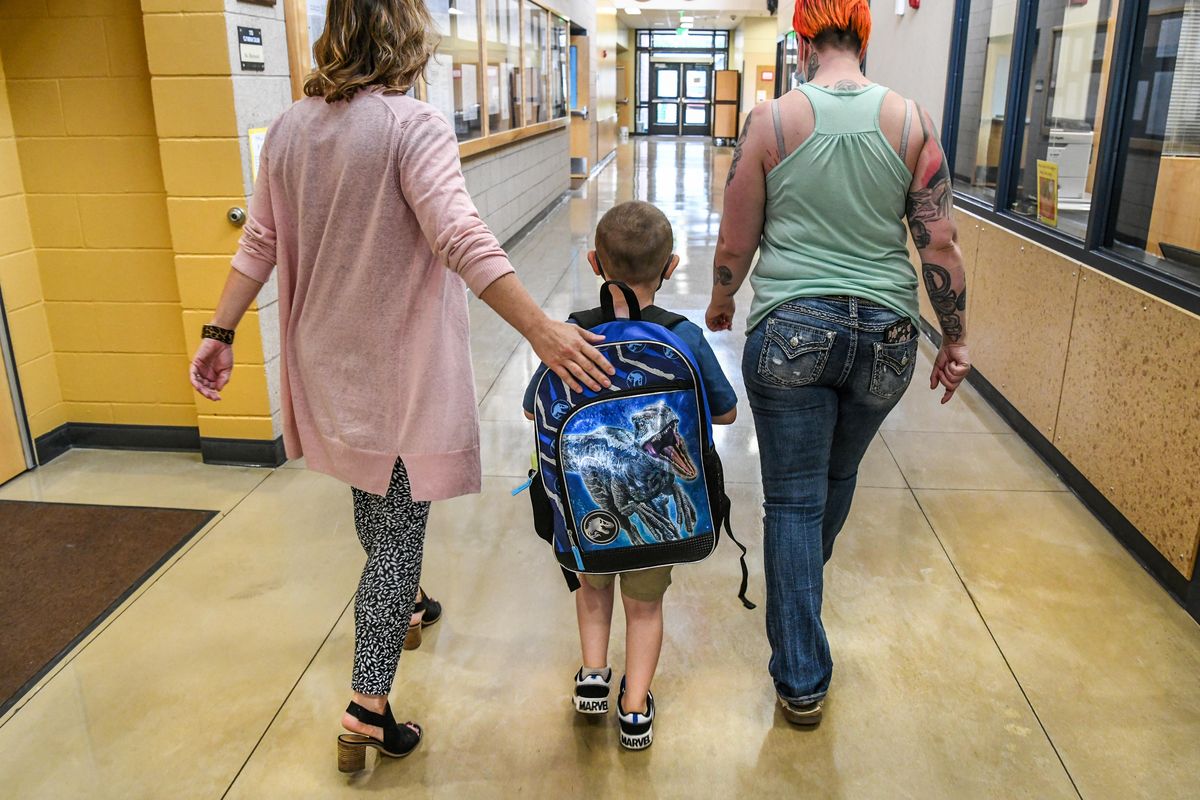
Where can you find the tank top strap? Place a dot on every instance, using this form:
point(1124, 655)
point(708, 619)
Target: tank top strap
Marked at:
point(837, 112)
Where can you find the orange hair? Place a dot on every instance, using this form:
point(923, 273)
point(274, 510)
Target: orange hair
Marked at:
point(814, 17)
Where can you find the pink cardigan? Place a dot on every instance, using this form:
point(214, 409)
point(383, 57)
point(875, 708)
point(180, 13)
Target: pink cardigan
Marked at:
point(363, 206)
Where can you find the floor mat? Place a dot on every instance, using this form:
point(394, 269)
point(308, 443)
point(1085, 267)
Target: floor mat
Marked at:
point(65, 567)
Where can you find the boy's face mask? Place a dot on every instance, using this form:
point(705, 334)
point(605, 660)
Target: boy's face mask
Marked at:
point(662, 276)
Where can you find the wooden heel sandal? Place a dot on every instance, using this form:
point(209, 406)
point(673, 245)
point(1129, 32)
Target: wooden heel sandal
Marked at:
point(398, 740)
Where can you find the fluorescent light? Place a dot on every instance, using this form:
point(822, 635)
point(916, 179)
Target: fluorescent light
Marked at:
point(454, 10)
point(633, 11)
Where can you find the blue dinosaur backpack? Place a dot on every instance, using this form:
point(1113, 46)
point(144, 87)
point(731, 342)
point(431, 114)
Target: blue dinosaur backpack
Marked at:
point(628, 478)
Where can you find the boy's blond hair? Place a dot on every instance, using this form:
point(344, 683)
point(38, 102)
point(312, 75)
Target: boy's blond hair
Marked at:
point(634, 242)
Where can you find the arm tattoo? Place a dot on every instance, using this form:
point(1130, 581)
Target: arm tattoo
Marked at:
point(722, 276)
point(737, 150)
point(935, 199)
point(947, 304)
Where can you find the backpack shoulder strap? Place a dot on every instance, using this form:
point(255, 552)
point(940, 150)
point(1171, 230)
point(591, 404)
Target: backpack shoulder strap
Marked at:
point(592, 317)
point(660, 316)
point(588, 318)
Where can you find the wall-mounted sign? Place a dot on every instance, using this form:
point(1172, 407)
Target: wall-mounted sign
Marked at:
point(250, 49)
point(256, 138)
point(766, 75)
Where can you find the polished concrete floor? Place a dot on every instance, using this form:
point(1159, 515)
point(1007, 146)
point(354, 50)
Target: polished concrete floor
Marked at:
point(991, 639)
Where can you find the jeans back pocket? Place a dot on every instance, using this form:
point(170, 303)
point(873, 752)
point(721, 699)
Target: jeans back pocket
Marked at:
point(893, 368)
point(793, 355)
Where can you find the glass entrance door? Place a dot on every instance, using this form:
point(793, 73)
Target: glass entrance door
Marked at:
point(697, 100)
point(665, 88)
point(681, 99)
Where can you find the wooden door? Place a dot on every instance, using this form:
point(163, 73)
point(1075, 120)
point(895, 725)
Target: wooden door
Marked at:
point(583, 127)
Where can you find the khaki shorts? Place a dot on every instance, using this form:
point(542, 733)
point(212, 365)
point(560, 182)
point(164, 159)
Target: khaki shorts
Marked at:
point(646, 585)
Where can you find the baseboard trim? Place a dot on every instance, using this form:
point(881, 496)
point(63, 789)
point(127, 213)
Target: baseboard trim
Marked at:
point(1186, 593)
point(108, 436)
point(50, 446)
point(243, 452)
point(103, 436)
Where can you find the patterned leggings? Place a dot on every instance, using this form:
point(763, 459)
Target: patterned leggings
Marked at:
point(392, 531)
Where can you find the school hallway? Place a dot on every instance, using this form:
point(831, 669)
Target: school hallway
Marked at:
point(991, 638)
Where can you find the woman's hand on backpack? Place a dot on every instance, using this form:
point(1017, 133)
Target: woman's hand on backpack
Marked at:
point(568, 350)
point(211, 368)
point(719, 316)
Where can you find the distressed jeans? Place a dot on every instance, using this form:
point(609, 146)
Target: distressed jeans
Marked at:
point(821, 374)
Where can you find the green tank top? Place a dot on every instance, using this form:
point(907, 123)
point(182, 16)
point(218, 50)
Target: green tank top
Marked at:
point(834, 222)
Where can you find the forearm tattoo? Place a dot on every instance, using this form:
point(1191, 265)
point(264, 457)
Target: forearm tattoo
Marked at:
point(948, 304)
point(935, 200)
point(722, 275)
point(737, 150)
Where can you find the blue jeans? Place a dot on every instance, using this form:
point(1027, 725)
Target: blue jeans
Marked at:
point(821, 376)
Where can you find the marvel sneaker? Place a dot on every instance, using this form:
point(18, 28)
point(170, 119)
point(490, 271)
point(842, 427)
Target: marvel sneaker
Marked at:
point(591, 691)
point(637, 729)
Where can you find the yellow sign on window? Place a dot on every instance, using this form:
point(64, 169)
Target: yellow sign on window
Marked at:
point(256, 136)
point(1047, 192)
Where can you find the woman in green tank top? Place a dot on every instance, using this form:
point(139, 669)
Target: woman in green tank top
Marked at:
point(821, 184)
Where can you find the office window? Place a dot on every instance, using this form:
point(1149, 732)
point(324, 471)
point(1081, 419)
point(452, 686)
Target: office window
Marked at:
point(984, 93)
point(560, 42)
point(452, 77)
point(537, 64)
point(1158, 209)
point(1067, 85)
point(316, 20)
point(503, 50)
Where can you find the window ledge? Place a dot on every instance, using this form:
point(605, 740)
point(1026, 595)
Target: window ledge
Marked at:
point(476, 147)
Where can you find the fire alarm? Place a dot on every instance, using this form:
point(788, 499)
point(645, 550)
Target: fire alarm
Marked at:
point(914, 3)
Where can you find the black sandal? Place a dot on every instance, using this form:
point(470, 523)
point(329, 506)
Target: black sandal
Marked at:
point(432, 613)
point(398, 740)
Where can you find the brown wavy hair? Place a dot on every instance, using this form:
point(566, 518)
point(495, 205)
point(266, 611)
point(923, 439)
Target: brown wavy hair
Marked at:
point(366, 43)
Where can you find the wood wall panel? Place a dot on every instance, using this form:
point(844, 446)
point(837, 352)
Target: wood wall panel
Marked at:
point(1020, 300)
point(1130, 415)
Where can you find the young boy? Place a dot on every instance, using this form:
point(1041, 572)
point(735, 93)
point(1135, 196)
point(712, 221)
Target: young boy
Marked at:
point(634, 245)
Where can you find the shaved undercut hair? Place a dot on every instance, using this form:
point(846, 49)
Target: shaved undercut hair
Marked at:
point(634, 241)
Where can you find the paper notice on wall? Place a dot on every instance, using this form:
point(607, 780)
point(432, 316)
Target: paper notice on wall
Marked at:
point(760, 96)
point(469, 81)
point(439, 85)
point(1047, 192)
point(256, 137)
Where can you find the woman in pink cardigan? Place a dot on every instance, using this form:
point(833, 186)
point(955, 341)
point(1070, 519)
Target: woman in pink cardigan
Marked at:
point(361, 208)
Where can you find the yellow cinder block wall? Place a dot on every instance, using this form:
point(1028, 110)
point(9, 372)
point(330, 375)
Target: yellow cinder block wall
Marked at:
point(21, 286)
point(196, 119)
point(83, 117)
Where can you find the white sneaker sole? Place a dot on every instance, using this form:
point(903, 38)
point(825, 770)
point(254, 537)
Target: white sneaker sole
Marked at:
point(639, 742)
point(591, 705)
